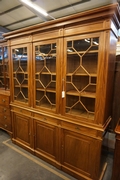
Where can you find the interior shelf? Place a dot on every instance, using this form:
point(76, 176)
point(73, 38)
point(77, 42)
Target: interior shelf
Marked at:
point(88, 94)
point(51, 73)
point(24, 86)
point(25, 100)
point(47, 89)
point(20, 72)
point(81, 74)
point(89, 115)
point(83, 94)
point(73, 92)
point(46, 105)
point(82, 52)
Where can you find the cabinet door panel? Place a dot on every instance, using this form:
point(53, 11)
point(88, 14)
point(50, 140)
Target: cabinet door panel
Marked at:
point(46, 65)
point(22, 127)
point(4, 66)
point(21, 73)
point(80, 153)
point(81, 60)
point(46, 139)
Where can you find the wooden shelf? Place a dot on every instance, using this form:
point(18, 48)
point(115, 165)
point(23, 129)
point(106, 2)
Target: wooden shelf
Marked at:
point(24, 86)
point(51, 90)
point(73, 92)
point(89, 115)
point(82, 94)
point(81, 74)
point(82, 52)
point(20, 72)
point(88, 94)
point(46, 73)
point(77, 74)
point(40, 89)
point(21, 100)
point(48, 106)
point(47, 90)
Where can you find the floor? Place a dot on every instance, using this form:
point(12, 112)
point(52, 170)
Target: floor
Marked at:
point(18, 164)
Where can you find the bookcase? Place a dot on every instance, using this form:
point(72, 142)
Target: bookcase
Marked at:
point(62, 75)
point(5, 116)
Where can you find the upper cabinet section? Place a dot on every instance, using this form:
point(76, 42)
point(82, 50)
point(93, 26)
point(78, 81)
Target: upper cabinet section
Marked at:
point(81, 76)
point(65, 67)
point(4, 66)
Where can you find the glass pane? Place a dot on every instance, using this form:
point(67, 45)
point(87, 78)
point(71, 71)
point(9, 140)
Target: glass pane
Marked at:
point(81, 76)
point(45, 77)
point(20, 74)
point(4, 68)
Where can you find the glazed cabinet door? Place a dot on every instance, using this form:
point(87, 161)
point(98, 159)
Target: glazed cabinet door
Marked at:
point(23, 130)
point(81, 54)
point(46, 142)
point(21, 60)
point(4, 67)
point(80, 155)
point(47, 79)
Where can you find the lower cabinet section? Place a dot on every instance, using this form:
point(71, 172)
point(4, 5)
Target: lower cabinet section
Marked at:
point(47, 142)
point(23, 134)
point(80, 155)
point(76, 153)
